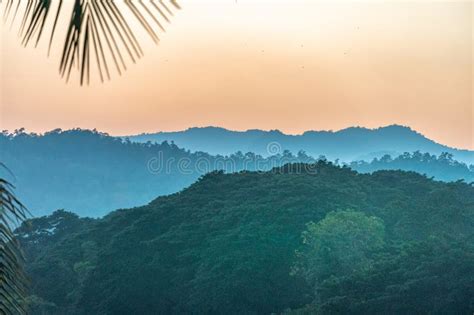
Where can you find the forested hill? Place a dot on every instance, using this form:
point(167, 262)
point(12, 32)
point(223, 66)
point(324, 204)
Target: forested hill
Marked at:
point(91, 173)
point(323, 241)
point(443, 167)
point(355, 143)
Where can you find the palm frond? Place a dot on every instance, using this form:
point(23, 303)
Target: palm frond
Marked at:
point(13, 282)
point(100, 34)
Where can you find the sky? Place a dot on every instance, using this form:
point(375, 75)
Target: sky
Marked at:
point(292, 65)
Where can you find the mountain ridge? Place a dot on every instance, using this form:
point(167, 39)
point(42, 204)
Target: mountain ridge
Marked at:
point(348, 144)
point(93, 173)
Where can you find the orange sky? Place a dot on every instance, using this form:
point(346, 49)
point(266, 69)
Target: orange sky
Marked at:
point(292, 65)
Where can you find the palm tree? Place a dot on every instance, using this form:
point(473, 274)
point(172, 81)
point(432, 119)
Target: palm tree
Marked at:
point(97, 30)
point(13, 282)
point(99, 33)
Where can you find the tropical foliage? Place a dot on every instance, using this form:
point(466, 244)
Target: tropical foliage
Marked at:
point(98, 34)
point(388, 242)
point(13, 282)
point(339, 244)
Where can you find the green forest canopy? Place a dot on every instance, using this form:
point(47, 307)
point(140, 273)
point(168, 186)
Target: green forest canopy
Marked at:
point(232, 243)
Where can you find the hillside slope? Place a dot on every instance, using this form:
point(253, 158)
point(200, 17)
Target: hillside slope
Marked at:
point(91, 173)
point(227, 245)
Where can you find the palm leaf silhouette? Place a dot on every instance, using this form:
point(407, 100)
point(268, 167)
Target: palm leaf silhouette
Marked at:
point(99, 33)
point(13, 282)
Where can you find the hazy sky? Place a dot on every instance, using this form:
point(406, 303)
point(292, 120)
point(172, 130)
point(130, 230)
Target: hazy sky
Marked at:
point(292, 65)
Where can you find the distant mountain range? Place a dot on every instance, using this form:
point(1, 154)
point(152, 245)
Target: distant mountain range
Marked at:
point(92, 173)
point(347, 145)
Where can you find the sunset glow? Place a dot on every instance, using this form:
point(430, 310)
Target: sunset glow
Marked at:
point(288, 65)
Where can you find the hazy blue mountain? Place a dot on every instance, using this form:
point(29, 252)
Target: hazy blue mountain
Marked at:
point(92, 173)
point(442, 167)
point(349, 144)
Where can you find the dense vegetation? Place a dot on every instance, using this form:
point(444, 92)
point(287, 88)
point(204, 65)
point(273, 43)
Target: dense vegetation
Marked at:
point(329, 241)
point(91, 173)
point(443, 167)
point(13, 283)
